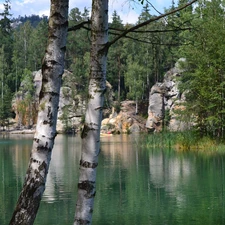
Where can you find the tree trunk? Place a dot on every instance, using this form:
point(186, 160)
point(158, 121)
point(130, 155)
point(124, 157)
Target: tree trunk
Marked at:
point(119, 78)
point(52, 70)
point(136, 108)
point(91, 130)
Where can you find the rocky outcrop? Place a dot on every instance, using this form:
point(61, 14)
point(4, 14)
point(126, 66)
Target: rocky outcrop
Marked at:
point(124, 121)
point(156, 108)
point(165, 100)
point(71, 105)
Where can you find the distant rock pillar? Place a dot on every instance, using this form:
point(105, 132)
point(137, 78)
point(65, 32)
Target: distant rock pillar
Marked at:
point(156, 108)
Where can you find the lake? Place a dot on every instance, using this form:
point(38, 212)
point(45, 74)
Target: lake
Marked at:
point(134, 185)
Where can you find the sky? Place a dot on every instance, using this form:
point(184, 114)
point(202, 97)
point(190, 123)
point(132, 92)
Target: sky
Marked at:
point(127, 10)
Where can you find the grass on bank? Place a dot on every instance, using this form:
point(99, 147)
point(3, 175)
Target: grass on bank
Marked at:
point(184, 141)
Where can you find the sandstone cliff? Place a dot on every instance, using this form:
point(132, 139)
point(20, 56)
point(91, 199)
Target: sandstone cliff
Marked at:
point(124, 121)
point(165, 100)
point(71, 105)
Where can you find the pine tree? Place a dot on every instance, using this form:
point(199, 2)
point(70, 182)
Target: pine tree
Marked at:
point(203, 80)
point(78, 51)
point(115, 72)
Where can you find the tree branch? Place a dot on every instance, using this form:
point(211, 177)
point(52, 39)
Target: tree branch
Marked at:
point(150, 42)
point(150, 31)
point(149, 21)
point(123, 33)
point(79, 26)
point(154, 7)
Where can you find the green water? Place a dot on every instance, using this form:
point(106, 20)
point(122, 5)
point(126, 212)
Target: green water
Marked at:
point(134, 186)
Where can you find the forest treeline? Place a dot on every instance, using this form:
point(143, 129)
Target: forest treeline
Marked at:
point(135, 62)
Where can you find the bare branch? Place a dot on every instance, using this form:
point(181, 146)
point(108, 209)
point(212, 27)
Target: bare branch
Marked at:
point(150, 42)
point(79, 26)
point(82, 25)
point(154, 7)
point(149, 21)
point(150, 31)
point(124, 32)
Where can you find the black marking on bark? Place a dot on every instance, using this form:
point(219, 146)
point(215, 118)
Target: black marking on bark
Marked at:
point(52, 34)
point(58, 16)
point(99, 108)
point(93, 124)
point(36, 140)
point(98, 79)
point(35, 161)
point(30, 190)
point(53, 93)
point(45, 67)
point(89, 187)
point(85, 131)
point(105, 49)
point(49, 115)
point(82, 222)
point(90, 96)
point(45, 122)
point(43, 166)
point(63, 48)
point(65, 24)
point(52, 62)
point(30, 197)
point(100, 87)
point(33, 183)
point(41, 95)
point(44, 148)
point(45, 80)
point(86, 164)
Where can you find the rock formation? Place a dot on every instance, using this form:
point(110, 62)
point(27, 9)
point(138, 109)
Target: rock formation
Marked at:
point(156, 107)
point(165, 100)
point(71, 105)
point(124, 121)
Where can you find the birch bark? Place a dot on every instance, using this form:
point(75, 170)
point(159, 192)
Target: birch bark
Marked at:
point(52, 70)
point(91, 130)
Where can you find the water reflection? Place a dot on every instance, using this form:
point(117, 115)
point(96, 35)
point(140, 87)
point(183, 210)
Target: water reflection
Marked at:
point(63, 168)
point(169, 173)
point(134, 185)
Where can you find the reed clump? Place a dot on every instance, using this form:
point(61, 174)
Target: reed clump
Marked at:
point(184, 141)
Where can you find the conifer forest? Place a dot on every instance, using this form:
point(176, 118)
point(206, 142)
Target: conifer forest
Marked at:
point(135, 62)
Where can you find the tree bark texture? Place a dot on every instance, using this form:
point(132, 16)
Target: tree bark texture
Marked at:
point(52, 70)
point(91, 130)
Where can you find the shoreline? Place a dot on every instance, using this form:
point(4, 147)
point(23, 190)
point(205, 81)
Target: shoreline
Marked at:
point(14, 131)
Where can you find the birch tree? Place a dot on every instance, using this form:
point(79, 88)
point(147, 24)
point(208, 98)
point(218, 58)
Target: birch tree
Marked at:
point(91, 130)
point(52, 70)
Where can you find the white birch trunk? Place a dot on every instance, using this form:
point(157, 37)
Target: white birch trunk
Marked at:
point(91, 130)
point(52, 70)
